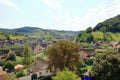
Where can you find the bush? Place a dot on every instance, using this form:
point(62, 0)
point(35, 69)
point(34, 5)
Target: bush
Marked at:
point(2, 62)
point(20, 74)
point(89, 62)
point(66, 75)
point(106, 67)
point(11, 57)
point(9, 65)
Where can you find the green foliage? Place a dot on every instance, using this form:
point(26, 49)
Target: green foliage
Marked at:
point(9, 65)
point(98, 35)
point(106, 31)
point(83, 36)
point(89, 62)
point(20, 73)
point(89, 30)
point(110, 25)
point(27, 56)
point(2, 62)
point(66, 75)
point(11, 57)
point(107, 67)
point(11, 35)
point(62, 54)
point(86, 45)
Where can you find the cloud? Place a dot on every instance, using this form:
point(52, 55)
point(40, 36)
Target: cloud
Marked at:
point(9, 3)
point(95, 15)
point(98, 13)
point(52, 3)
point(102, 12)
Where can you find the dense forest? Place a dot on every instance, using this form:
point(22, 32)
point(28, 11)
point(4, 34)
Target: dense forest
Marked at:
point(110, 25)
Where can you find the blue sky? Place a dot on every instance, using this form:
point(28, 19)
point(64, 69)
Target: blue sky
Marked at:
point(56, 14)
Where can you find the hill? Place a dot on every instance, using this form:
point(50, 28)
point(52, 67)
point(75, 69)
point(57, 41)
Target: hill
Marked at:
point(107, 31)
point(109, 25)
point(36, 32)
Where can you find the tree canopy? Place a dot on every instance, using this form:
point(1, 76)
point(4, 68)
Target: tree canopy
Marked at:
point(27, 56)
point(63, 54)
point(107, 67)
point(11, 57)
point(109, 25)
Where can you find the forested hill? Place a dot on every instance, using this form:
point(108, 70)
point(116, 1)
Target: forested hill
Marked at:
point(39, 33)
point(33, 29)
point(108, 30)
point(109, 25)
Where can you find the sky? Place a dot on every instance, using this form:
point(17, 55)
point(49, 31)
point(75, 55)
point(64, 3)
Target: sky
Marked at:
point(72, 15)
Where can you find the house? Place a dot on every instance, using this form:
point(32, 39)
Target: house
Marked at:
point(116, 45)
point(18, 66)
point(17, 51)
point(44, 45)
point(80, 45)
point(38, 64)
point(98, 45)
point(4, 51)
point(88, 51)
point(36, 48)
point(83, 54)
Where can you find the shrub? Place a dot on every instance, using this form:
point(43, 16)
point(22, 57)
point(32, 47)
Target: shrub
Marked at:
point(11, 57)
point(66, 75)
point(2, 62)
point(20, 74)
point(9, 65)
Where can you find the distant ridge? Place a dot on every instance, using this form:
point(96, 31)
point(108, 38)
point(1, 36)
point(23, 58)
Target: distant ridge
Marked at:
point(31, 29)
point(43, 33)
point(25, 29)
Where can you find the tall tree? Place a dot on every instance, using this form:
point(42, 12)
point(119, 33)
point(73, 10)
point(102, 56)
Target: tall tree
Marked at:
point(89, 30)
point(63, 54)
point(27, 56)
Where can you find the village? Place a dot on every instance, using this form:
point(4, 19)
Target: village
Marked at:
point(38, 47)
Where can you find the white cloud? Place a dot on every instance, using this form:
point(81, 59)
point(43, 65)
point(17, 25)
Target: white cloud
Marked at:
point(9, 3)
point(98, 13)
point(101, 12)
point(95, 15)
point(52, 3)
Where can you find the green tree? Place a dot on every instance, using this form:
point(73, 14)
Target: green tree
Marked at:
point(106, 67)
point(66, 75)
point(83, 36)
point(89, 30)
point(11, 57)
point(62, 54)
point(27, 56)
point(9, 65)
